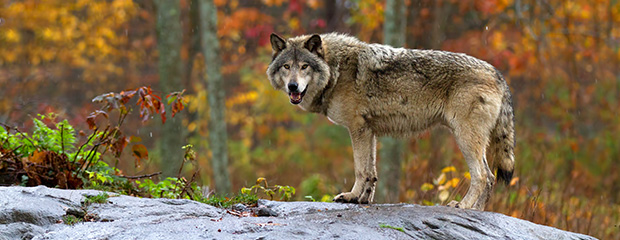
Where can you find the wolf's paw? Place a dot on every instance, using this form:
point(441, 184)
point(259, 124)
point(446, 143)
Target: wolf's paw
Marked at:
point(348, 197)
point(453, 204)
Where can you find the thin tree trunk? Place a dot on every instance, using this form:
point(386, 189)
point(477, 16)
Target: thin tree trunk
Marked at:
point(439, 20)
point(194, 49)
point(333, 15)
point(215, 92)
point(413, 16)
point(391, 153)
point(169, 41)
point(439, 136)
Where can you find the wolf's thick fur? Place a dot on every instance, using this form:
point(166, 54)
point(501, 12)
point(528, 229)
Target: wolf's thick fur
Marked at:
point(376, 90)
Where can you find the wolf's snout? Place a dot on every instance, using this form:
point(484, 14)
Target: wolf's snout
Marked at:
point(294, 93)
point(293, 87)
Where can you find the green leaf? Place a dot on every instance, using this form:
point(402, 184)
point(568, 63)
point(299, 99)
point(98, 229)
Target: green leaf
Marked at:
point(172, 99)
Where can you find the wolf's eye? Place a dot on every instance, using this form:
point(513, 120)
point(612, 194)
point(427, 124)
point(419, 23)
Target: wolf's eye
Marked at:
point(304, 66)
point(287, 66)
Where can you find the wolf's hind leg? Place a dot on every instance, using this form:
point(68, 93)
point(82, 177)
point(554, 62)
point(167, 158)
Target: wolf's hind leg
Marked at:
point(471, 130)
point(482, 180)
point(364, 154)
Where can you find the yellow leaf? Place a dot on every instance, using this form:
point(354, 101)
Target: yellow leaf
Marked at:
point(293, 23)
point(327, 198)
point(448, 169)
point(12, 36)
point(260, 180)
point(497, 41)
point(11, 56)
point(192, 126)
point(467, 175)
point(443, 195)
point(426, 187)
point(441, 179)
point(47, 34)
point(453, 182)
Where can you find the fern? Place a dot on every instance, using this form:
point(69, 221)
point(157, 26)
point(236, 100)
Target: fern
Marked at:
point(60, 140)
point(67, 136)
point(19, 143)
point(43, 135)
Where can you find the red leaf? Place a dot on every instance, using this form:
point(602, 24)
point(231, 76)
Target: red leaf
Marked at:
point(119, 145)
point(177, 101)
point(92, 117)
point(162, 112)
point(149, 104)
point(126, 95)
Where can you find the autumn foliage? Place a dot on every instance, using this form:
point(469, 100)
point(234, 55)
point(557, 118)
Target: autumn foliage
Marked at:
point(50, 155)
point(560, 59)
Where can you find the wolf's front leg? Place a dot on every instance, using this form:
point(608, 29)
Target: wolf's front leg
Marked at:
point(364, 154)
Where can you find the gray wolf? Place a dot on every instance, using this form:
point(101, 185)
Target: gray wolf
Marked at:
point(376, 90)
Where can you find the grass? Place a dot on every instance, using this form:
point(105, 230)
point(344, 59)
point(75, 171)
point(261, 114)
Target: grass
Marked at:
point(99, 198)
point(225, 202)
point(71, 220)
point(391, 227)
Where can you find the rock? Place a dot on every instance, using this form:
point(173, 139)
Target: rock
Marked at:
point(240, 207)
point(266, 212)
point(77, 212)
point(36, 213)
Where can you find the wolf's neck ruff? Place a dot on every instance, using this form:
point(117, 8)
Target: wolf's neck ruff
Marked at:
point(320, 102)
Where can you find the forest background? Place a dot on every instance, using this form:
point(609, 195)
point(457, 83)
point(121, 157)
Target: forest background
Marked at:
point(560, 58)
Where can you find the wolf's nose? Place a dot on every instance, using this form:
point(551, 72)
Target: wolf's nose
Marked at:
point(292, 87)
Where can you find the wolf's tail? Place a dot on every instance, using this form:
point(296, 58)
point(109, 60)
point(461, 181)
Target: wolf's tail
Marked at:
point(502, 142)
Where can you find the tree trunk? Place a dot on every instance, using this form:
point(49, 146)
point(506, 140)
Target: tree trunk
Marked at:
point(169, 41)
point(391, 153)
point(440, 11)
point(439, 136)
point(215, 92)
point(194, 49)
point(333, 15)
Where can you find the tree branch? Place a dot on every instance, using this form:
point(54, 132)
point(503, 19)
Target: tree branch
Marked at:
point(141, 176)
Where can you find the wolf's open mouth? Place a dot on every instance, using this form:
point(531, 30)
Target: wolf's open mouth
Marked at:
point(297, 97)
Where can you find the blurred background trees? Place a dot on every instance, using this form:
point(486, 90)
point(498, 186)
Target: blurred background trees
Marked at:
point(391, 151)
point(218, 137)
point(170, 69)
point(560, 58)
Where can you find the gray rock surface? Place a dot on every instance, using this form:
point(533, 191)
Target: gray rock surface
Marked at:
point(37, 213)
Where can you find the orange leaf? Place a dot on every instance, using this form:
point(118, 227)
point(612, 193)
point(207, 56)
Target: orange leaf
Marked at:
point(140, 152)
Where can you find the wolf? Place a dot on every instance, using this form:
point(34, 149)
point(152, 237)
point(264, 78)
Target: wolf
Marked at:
point(377, 90)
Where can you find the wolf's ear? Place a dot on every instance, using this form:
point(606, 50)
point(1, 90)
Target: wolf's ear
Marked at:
point(315, 45)
point(277, 43)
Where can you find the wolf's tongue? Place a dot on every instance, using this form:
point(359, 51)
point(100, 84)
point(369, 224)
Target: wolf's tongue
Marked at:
point(296, 96)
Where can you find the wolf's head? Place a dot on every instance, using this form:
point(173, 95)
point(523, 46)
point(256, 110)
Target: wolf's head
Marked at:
point(298, 67)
